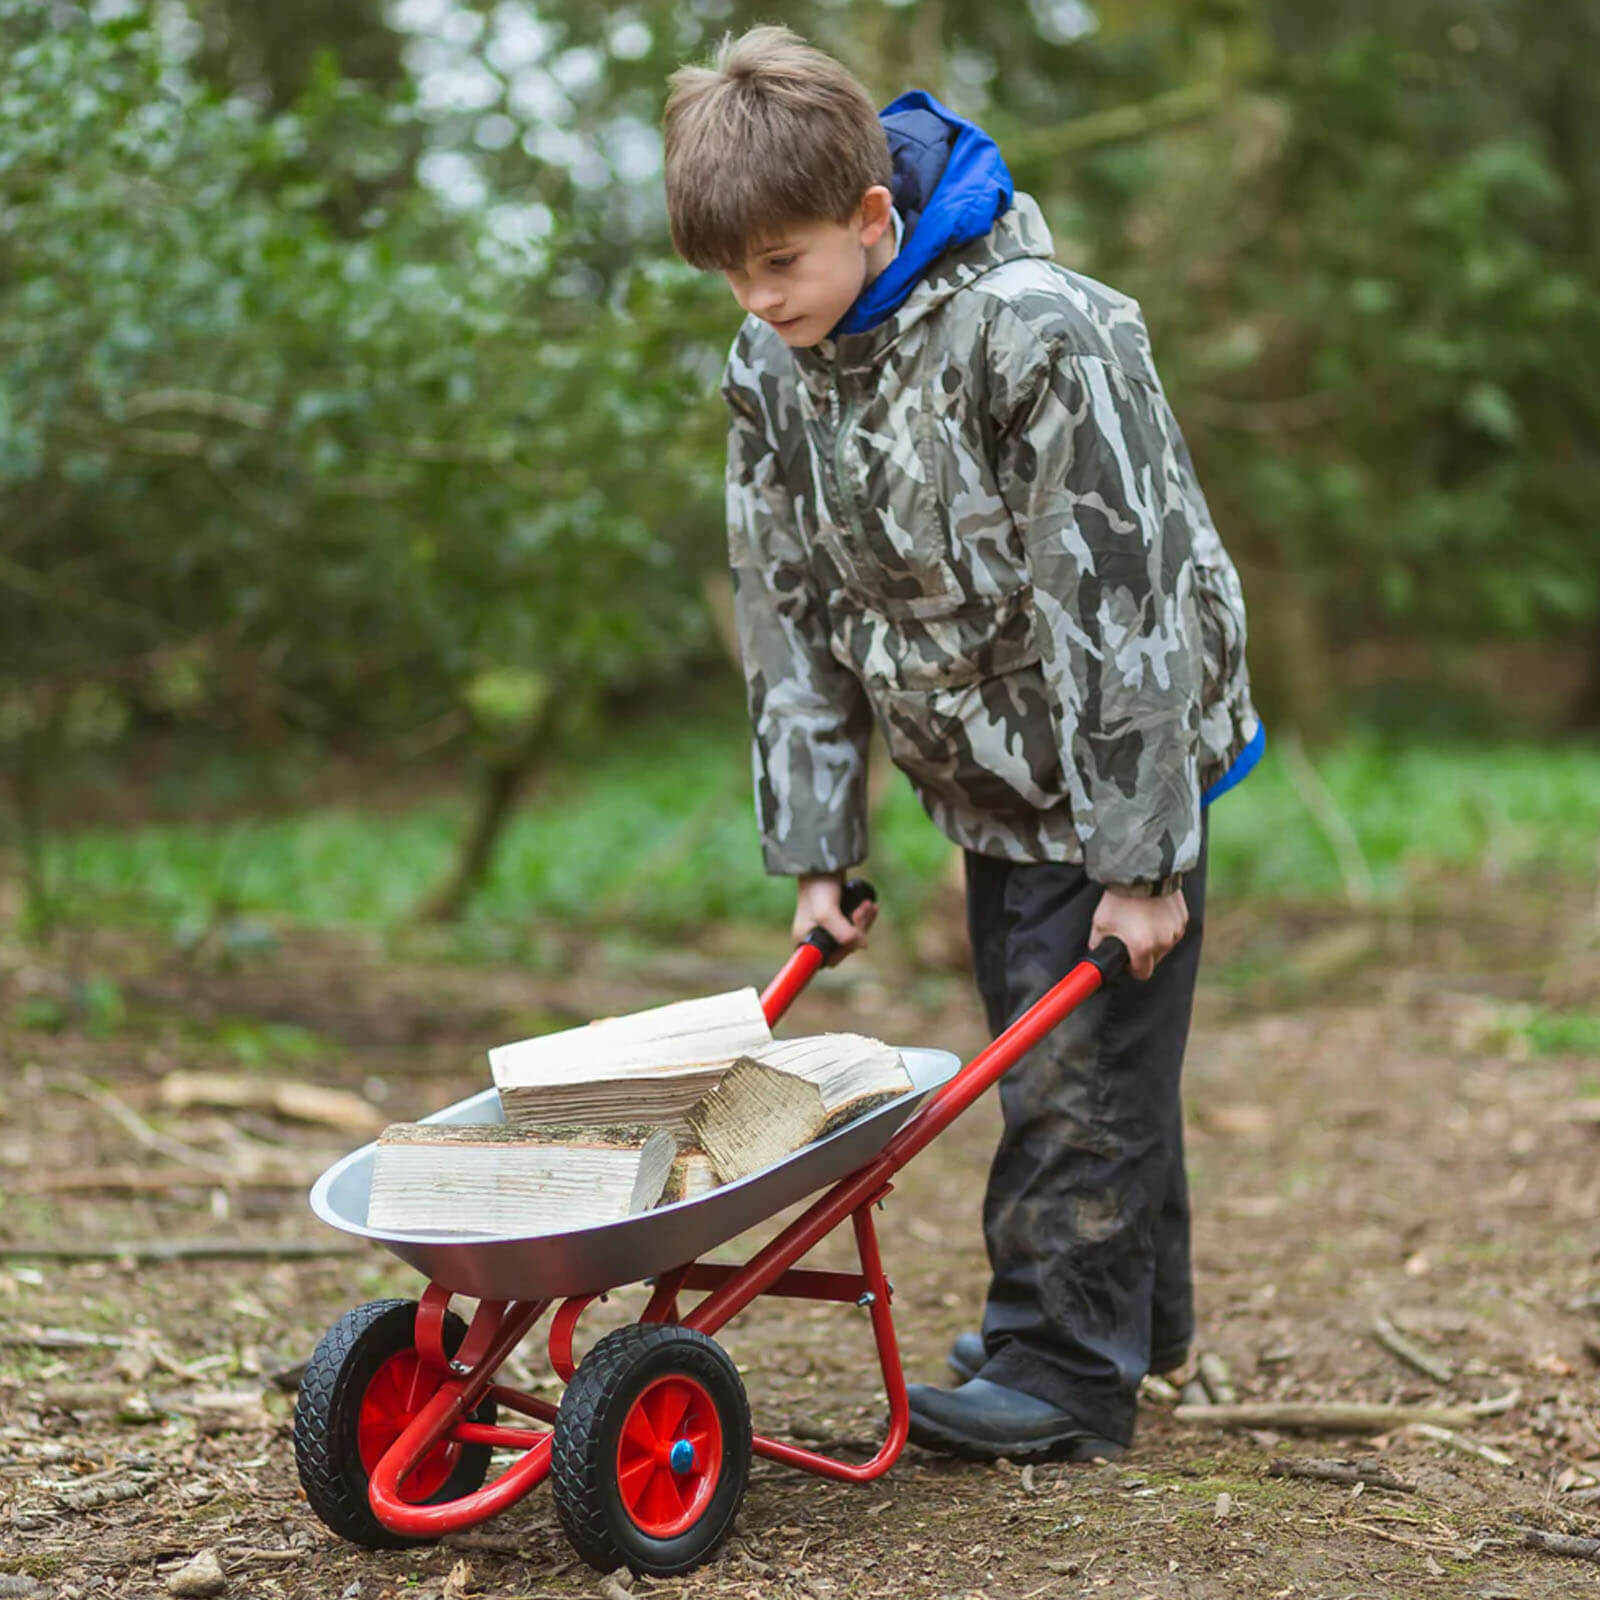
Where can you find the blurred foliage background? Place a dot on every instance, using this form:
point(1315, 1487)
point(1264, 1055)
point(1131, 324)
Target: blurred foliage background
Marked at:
point(359, 436)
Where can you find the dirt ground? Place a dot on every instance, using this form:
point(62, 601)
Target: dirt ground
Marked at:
point(1371, 1133)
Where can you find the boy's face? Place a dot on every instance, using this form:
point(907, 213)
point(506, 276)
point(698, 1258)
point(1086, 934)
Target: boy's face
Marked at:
point(804, 280)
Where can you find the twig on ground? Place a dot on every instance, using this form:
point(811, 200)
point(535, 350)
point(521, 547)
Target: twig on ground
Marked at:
point(491, 1544)
point(1344, 1472)
point(1331, 1417)
point(60, 1339)
point(1496, 1405)
point(151, 1250)
point(1455, 1441)
point(92, 1496)
point(1396, 1343)
point(144, 1180)
point(251, 1554)
point(140, 1131)
point(1562, 1544)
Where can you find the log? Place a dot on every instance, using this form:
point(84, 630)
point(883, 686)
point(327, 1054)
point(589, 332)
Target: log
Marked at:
point(780, 1097)
point(649, 1066)
point(430, 1177)
point(691, 1177)
point(753, 1116)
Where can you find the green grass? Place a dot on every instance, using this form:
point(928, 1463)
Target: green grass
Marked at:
point(657, 834)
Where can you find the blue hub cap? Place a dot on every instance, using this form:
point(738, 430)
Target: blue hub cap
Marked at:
point(681, 1459)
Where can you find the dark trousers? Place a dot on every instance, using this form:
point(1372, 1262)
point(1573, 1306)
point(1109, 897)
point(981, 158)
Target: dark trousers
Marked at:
point(1086, 1217)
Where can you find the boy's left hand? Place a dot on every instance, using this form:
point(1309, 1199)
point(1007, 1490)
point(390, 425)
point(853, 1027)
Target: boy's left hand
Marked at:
point(1149, 927)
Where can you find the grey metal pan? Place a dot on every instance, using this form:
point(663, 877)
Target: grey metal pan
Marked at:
point(591, 1260)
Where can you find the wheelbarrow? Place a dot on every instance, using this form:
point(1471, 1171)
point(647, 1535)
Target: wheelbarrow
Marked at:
point(649, 1450)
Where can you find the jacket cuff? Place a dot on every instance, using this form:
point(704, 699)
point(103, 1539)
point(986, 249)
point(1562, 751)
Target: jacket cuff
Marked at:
point(1149, 889)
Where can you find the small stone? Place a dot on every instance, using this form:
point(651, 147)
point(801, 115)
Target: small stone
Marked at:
point(1224, 1505)
point(202, 1576)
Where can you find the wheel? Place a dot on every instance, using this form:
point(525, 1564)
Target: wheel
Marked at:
point(356, 1397)
point(652, 1450)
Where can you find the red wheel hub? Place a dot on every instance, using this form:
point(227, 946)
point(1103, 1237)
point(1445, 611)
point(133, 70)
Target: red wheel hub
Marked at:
point(669, 1456)
point(400, 1388)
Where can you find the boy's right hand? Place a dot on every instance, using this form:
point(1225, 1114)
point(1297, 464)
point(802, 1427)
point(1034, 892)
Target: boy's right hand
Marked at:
point(817, 906)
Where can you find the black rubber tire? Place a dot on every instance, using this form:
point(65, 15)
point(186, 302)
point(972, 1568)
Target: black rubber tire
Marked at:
point(329, 1406)
point(583, 1474)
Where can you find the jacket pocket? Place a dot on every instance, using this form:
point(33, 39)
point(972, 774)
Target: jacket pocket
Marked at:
point(985, 747)
point(961, 646)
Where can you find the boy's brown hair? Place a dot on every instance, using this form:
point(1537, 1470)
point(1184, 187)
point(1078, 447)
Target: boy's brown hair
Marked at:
point(773, 132)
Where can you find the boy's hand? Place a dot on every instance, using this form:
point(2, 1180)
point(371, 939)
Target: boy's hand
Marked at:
point(1149, 927)
point(817, 906)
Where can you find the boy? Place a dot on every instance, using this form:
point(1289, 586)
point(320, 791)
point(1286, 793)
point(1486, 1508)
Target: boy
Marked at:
point(959, 507)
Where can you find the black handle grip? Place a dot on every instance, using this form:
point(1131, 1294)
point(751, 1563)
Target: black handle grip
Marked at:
point(852, 897)
point(1111, 957)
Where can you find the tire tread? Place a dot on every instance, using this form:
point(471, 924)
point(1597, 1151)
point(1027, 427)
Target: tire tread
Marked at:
point(328, 1388)
point(579, 1476)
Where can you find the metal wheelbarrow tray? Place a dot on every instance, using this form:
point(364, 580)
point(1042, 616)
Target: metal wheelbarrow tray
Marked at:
point(649, 1449)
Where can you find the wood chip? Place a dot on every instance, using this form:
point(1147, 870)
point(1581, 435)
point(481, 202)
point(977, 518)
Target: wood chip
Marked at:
point(201, 1577)
point(460, 1582)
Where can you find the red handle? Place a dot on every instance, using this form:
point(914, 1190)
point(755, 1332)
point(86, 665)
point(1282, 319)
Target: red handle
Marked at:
point(817, 946)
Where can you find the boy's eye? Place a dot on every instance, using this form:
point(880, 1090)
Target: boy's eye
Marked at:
point(780, 262)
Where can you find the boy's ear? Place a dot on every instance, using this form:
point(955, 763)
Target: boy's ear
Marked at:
point(877, 204)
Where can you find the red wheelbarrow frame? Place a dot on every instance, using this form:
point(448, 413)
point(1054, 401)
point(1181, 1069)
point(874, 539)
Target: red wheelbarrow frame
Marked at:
point(462, 1381)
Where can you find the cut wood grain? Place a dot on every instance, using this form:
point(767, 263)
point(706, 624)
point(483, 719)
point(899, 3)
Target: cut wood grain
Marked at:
point(790, 1092)
point(649, 1066)
point(755, 1115)
point(490, 1179)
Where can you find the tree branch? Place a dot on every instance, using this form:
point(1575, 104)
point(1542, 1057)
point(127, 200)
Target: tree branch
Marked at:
point(1120, 122)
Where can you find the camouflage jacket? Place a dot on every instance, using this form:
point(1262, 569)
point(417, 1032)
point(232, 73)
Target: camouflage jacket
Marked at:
point(978, 526)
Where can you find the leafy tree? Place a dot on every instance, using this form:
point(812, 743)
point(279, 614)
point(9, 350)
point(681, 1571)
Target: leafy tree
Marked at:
point(259, 472)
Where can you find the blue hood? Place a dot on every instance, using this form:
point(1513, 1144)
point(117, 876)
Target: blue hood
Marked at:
point(950, 184)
